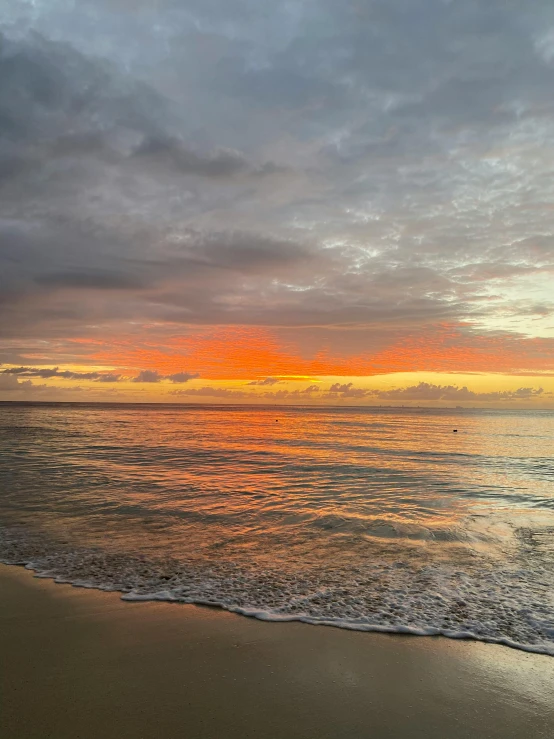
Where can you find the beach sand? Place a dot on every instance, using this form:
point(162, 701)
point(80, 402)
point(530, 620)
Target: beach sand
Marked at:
point(83, 664)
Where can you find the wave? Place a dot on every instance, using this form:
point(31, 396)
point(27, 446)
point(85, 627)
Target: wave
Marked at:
point(512, 607)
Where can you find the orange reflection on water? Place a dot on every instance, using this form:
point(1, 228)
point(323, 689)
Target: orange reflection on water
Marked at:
point(339, 484)
point(333, 514)
point(271, 472)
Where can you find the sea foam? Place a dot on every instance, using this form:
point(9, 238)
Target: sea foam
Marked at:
point(514, 607)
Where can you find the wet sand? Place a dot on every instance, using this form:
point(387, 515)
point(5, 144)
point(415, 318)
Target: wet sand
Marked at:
point(80, 664)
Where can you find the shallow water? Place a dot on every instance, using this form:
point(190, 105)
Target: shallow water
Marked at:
point(377, 519)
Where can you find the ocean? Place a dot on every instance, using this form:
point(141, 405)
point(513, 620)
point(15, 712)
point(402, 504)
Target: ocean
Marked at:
point(376, 519)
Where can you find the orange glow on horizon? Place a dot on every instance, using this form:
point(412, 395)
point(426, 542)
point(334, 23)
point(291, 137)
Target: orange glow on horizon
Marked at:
point(236, 353)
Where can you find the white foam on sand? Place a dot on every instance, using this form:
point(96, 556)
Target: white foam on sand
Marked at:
point(512, 605)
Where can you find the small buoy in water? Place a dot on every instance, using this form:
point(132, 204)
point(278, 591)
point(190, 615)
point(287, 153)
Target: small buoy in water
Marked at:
point(455, 431)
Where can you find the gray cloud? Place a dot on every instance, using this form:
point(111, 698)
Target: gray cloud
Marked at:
point(293, 395)
point(148, 376)
point(105, 377)
point(403, 147)
point(172, 154)
point(153, 376)
point(347, 390)
point(92, 280)
point(8, 383)
point(265, 382)
point(180, 377)
point(311, 389)
point(213, 392)
point(16, 389)
point(109, 377)
point(45, 373)
point(425, 391)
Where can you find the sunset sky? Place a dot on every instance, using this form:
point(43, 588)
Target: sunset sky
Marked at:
point(301, 202)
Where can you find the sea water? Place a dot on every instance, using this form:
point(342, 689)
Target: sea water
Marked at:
point(371, 519)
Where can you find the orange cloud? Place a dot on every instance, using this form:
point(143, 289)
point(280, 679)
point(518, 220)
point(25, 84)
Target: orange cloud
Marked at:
point(225, 353)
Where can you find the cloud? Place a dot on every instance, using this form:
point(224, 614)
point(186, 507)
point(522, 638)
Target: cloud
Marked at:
point(213, 392)
point(154, 376)
point(425, 391)
point(109, 377)
point(293, 395)
point(173, 154)
point(88, 280)
point(15, 389)
point(265, 382)
point(181, 377)
point(355, 175)
point(47, 373)
point(148, 376)
point(105, 377)
point(347, 390)
point(9, 383)
point(338, 388)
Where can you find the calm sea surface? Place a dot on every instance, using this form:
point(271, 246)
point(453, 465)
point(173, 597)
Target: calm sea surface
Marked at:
point(372, 519)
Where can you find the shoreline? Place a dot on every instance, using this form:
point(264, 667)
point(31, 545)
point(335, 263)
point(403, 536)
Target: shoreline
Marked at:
point(83, 662)
point(251, 613)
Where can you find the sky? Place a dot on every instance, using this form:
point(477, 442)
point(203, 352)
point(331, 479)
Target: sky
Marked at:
point(301, 202)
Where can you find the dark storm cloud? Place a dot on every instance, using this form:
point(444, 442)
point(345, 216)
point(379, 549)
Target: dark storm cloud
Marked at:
point(360, 163)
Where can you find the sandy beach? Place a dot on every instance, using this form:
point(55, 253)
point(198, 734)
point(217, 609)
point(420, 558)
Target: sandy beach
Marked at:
point(83, 663)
